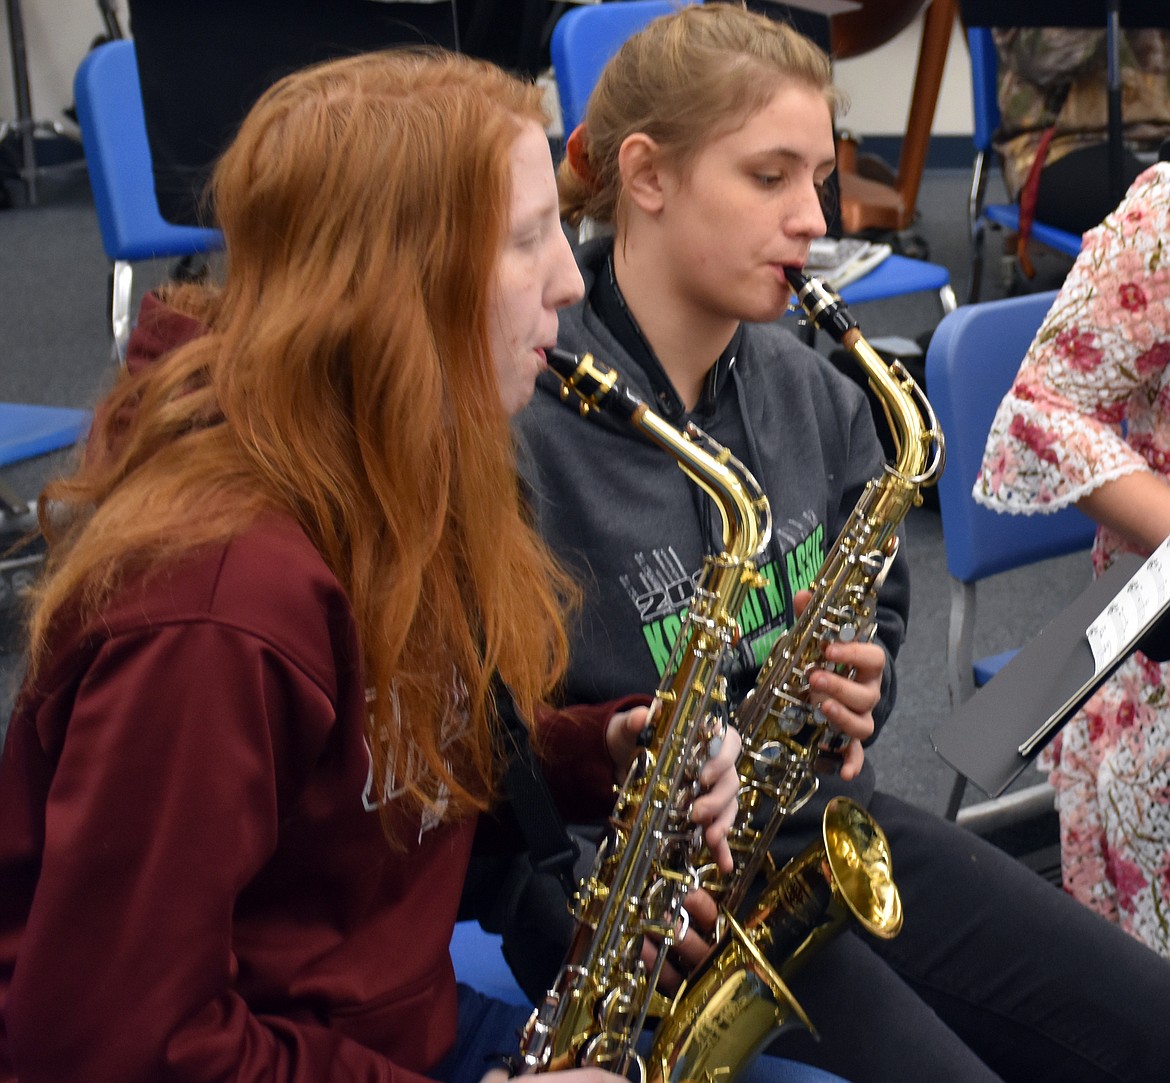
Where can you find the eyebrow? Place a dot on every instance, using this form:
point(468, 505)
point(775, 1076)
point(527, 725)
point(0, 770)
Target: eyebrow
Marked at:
point(536, 216)
point(792, 155)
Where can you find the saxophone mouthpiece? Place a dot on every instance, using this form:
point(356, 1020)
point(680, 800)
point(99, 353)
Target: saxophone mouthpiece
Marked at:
point(826, 311)
point(597, 387)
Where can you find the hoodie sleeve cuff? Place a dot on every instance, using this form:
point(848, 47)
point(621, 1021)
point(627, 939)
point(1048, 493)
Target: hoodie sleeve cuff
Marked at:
point(571, 744)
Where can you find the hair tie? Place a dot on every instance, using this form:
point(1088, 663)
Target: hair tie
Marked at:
point(578, 156)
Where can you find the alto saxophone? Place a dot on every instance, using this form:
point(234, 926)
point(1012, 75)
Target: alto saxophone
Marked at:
point(738, 999)
point(605, 991)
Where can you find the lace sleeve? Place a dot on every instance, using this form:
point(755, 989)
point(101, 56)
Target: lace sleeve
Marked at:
point(1088, 403)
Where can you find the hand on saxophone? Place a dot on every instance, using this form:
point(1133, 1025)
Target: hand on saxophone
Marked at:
point(714, 809)
point(849, 691)
point(690, 949)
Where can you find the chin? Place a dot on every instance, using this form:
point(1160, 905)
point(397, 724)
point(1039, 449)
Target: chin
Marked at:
point(765, 311)
point(518, 401)
point(763, 304)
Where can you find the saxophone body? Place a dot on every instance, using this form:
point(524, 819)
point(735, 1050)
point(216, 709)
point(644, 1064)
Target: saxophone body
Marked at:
point(652, 853)
point(783, 730)
point(739, 999)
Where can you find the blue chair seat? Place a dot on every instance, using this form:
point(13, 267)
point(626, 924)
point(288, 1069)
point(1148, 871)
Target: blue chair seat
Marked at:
point(986, 668)
point(479, 962)
point(1007, 216)
point(896, 275)
point(27, 430)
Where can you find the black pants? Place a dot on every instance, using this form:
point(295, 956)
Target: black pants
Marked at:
point(996, 975)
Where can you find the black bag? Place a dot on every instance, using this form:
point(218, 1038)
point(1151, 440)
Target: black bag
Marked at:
point(527, 906)
point(525, 866)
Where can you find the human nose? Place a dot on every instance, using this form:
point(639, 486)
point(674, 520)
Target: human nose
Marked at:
point(807, 216)
point(565, 284)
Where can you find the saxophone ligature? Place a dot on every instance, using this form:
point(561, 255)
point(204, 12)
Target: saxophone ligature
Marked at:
point(738, 999)
point(605, 991)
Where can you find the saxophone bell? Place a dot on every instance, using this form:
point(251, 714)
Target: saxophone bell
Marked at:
point(739, 999)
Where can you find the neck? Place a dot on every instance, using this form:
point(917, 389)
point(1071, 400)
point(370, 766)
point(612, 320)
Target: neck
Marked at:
point(686, 339)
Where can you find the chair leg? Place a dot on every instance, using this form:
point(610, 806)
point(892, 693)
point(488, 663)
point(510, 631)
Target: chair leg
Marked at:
point(121, 282)
point(975, 286)
point(1011, 808)
point(976, 227)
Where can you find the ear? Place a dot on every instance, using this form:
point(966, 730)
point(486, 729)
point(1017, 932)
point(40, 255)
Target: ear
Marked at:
point(640, 165)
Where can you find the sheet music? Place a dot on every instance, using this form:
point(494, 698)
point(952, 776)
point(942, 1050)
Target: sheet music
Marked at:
point(1124, 620)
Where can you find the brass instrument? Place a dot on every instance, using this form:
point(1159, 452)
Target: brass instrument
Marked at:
point(739, 999)
point(605, 991)
point(783, 731)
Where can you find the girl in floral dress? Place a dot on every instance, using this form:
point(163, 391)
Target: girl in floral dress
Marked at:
point(1087, 422)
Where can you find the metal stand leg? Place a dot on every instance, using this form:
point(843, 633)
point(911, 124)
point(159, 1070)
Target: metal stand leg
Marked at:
point(24, 127)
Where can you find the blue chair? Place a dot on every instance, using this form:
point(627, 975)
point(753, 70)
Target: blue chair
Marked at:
point(984, 64)
point(971, 362)
point(479, 962)
point(113, 133)
point(585, 38)
point(27, 431)
point(583, 41)
point(897, 275)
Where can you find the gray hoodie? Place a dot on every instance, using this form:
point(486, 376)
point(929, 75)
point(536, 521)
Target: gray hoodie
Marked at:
point(634, 529)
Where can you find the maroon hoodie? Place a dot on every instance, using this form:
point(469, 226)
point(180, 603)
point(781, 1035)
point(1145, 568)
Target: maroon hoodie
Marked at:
point(194, 882)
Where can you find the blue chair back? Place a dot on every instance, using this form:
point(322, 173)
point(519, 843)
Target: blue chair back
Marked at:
point(585, 38)
point(972, 360)
point(113, 132)
point(984, 65)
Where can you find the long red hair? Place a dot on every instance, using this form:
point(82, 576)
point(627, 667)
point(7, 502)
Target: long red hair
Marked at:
point(346, 379)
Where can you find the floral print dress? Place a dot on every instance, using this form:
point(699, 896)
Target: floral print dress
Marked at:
point(1091, 403)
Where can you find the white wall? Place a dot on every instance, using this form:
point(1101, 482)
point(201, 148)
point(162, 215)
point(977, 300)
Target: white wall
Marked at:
point(58, 34)
point(880, 85)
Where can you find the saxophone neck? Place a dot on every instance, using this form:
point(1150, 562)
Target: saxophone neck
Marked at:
point(743, 507)
point(918, 438)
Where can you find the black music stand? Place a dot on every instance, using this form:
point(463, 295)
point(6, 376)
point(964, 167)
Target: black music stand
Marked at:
point(1113, 14)
point(991, 737)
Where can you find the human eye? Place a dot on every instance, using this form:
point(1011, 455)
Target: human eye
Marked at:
point(769, 180)
point(526, 237)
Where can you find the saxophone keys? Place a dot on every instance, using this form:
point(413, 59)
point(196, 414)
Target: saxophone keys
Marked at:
point(792, 719)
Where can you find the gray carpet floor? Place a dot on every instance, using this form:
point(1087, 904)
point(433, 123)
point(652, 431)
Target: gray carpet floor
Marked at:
point(54, 349)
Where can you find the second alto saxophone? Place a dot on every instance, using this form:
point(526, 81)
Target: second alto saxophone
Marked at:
point(739, 999)
point(605, 991)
